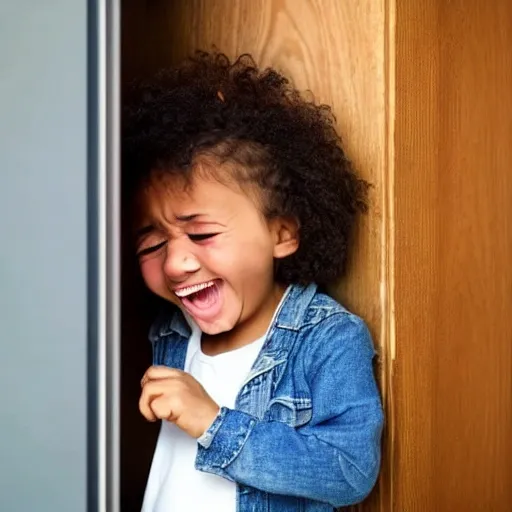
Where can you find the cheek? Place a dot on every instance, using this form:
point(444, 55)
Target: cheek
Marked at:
point(251, 257)
point(153, 275)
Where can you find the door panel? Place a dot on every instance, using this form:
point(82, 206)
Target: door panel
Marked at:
point(453, 177)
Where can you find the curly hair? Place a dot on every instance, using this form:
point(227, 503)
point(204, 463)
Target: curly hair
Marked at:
point(264, 129)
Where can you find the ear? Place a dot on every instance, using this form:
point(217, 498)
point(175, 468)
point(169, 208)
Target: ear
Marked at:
point(286, 236)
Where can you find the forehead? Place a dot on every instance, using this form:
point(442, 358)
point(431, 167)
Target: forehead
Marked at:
point(167, 197)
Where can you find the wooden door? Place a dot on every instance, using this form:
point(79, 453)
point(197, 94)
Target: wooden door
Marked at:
point(452, 387)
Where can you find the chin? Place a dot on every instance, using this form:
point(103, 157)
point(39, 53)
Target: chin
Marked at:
point(215, 328)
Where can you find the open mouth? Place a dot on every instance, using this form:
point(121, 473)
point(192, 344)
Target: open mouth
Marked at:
point(203, 301)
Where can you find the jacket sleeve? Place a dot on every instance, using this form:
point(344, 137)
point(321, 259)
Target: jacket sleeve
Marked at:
point(335, 457)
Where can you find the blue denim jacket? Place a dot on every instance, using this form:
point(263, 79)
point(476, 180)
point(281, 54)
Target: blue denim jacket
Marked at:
point(305, 433)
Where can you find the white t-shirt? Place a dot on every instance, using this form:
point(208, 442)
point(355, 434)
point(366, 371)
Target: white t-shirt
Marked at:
point(174, 485)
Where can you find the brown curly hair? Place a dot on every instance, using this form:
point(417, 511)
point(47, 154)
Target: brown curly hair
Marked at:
point(256, 121)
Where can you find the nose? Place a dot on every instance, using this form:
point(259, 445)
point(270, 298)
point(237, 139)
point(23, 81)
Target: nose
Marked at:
point(180, 261)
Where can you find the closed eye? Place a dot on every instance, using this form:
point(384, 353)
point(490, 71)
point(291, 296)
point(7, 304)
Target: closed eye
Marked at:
point(149, 250)
point(200, 238)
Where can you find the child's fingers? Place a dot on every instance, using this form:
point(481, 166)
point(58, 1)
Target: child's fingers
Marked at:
point(145, 408)
point(152, 390)
point(159, 372)
point(161, 408)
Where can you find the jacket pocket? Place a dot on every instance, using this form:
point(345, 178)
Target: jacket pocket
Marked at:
point(294, 411)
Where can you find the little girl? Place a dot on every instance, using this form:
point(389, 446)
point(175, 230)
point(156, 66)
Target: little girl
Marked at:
point(244, 206)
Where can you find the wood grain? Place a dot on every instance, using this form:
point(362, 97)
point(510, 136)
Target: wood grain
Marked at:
point(453, 273)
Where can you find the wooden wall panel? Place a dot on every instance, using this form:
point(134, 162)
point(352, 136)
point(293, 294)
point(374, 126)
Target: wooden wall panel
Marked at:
point(453, 272)
point(335, 48)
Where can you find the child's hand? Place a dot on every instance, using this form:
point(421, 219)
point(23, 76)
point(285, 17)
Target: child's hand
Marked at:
point(173, 395)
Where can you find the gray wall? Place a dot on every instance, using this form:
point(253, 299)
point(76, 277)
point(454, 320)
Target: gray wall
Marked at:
point(43, 255)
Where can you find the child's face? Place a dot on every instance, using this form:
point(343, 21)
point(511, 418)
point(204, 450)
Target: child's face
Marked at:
point(209, 250)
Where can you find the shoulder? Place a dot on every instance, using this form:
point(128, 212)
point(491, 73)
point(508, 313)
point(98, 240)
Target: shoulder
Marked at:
point(323, 307)
point(331, 330)
point(326, 314)
point(316, 315)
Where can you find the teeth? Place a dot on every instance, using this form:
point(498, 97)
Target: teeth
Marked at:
point(189, 290)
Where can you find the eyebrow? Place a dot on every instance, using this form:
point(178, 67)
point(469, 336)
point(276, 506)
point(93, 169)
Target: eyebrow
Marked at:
point(151, 227)
point(183, 218)
point(196, 216)
point(188, 218)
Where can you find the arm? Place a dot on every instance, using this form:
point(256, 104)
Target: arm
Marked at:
point(334, 458)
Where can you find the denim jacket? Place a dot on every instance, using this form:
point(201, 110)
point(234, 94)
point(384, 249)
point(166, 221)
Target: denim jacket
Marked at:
point(305, 432)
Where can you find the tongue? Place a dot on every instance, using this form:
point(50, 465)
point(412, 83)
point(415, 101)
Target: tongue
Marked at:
point(204, 299)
